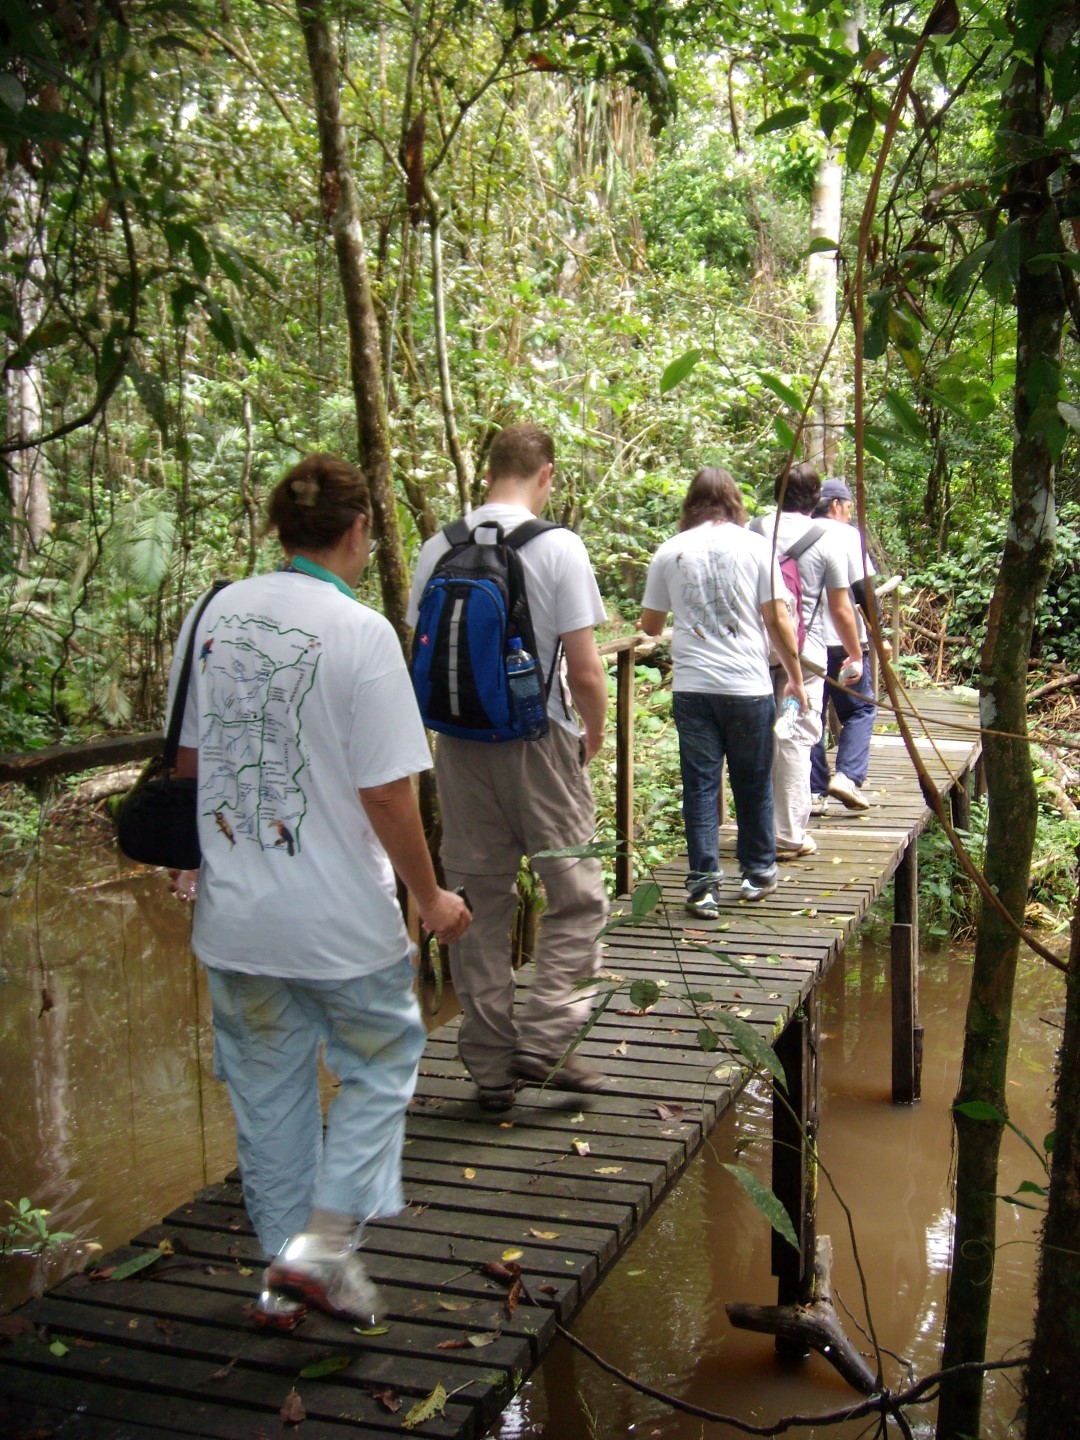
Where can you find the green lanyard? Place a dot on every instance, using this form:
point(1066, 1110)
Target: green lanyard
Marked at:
point(319, 572)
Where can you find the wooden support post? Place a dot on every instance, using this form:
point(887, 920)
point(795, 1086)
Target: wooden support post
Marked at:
point(624, 771)
point(960, 799)
point(794, 1174)
point(906, 1032)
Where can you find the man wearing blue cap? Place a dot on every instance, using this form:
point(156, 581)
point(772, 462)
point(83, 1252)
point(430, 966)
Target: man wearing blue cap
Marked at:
point(852, 700)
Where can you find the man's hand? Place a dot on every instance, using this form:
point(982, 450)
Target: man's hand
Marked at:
point(447, 916)
point(851, 670)
point(799, 692)
point(184, 884)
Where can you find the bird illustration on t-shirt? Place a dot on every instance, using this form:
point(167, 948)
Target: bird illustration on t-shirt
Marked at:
point(285, 837)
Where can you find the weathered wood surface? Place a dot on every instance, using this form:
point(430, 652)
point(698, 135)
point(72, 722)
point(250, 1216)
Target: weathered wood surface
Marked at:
point(171, 1351)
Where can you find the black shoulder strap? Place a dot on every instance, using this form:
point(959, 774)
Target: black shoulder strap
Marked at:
point(458, 532)
point(804, 542)
point(528, 530)
point(176, 719)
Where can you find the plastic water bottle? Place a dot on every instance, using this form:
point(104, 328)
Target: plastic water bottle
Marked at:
point(526, 692)
point(787, 719)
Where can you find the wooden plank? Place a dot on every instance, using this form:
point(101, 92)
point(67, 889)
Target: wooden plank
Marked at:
point(172, 1352)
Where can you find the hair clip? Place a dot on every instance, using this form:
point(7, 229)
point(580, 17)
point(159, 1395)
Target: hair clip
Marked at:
point(305, 491)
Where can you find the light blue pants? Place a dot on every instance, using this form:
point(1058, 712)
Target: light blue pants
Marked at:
point(267, 1033)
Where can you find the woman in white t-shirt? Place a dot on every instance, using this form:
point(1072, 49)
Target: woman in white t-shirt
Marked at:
point(727, 595)
point(301, 725)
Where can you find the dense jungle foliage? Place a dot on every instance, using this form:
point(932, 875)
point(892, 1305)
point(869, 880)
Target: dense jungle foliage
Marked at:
point(600, 193)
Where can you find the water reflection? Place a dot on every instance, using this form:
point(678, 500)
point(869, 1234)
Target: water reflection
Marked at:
point(660, 1314)
point(113, 1117)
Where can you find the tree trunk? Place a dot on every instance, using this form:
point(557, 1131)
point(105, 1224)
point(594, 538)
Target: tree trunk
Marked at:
point(342, 212)
point(1053, 1377)
point(825, 422)
point(30, 509)
point(1025, 564)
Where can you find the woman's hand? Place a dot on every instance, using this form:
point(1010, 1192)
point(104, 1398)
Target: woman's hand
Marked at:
point(184, 884)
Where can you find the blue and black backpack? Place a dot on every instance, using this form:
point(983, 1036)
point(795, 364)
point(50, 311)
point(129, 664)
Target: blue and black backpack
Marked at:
point(472, 606)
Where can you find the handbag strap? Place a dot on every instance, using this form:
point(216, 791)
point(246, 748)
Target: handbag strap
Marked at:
point(176, 719)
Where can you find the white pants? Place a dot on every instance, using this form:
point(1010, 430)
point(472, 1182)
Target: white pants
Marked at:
point(791, 770)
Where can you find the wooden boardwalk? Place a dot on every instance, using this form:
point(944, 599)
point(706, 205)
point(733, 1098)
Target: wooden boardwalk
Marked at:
point(559, 1187)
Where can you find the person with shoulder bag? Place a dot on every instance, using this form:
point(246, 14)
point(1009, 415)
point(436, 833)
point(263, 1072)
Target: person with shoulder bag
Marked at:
point(300, 725)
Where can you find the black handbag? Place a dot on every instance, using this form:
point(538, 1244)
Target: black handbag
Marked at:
point(157, 822)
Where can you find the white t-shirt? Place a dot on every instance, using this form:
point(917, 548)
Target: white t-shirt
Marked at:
point(824, 566)
point(856, 571)
point(714, 580)
point(299, 696)
point(559, 581)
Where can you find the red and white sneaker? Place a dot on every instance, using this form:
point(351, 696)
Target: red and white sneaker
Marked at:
point(311, 1269)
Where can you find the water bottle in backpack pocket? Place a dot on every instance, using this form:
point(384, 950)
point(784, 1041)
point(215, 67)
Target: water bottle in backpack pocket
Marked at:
point(527, 700)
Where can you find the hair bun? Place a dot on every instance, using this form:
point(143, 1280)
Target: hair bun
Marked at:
point(306, 492)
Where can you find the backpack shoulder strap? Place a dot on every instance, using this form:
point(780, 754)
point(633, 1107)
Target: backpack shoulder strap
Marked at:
point(804, 542)
point(458, 532)
point(528, 530)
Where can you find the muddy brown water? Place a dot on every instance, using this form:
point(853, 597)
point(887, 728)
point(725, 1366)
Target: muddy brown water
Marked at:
point(111, 1117)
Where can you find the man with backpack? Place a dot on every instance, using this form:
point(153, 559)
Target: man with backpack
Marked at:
point(503, 797)
point(819, 584)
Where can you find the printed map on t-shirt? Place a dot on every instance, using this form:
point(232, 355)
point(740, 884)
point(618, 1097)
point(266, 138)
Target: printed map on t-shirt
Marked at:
point(252, 763)
point(707, 579)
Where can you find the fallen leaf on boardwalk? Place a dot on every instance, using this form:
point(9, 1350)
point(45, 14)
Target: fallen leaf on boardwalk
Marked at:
point(328, 1365)
point(103, 1273)
point(580, 1147)
point(132, 1267)
point(511, 1254)
point(506, 1124)
point(246, 1271)
point(293, 1412)
point(836, 859)
point(456, 1305)
point(13, 1325)
point(548, 1289)
point(621, 1048)
point(543, 1234)
point(226, 1371)
point(609, 1170)
point(427, 1409)
point(479, 1341)
point(669, 1112)
point(133, 1324)
point(58, 1348)
point(513, 1297)
point(725, 1072)
point(371, 1330)
point(743, 1011)
point(418, 1209)
point(165, 1246)
point(810, 910)
point(697, 934)
point(468, 1173)
point(452, 1345)
point(388, 1399)
point(578, 1119)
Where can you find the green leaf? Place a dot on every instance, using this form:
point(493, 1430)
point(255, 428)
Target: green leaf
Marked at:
point(58, 1348)
point(133, 1266)
point(756, 1049)
point(645, 898)
point(784, 433)
point(906, 417)
point(12, 94)
point(766, 1201)
point(678, 370)
point(328, 1365)
point(578, 852)
point(783, 119)
point(151, 392)
point(979, 1110)
point(782, 391)
point(708, 1039)
point(821, 245)
point(199, 252)
point(832, 114)
point(964, 274)
point(644, 994)
point(859, 137)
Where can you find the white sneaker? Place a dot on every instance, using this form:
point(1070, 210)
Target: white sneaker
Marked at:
point(756, 889)
point(311, 1269)
point(819, 804)
point(792, 852)
point(847, 792)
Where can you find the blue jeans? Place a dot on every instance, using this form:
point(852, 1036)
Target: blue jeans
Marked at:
point(267, 1033)
point(737, 728)
point(856, 712)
